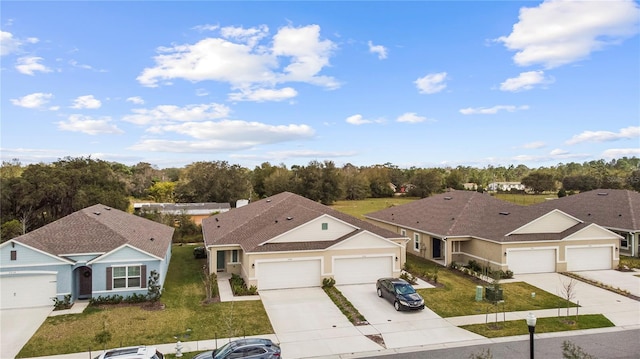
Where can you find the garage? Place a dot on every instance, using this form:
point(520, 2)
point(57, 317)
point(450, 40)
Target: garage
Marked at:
point(362, 269)
point(28, 289)
point(531, 261)
point(288, 274)
point(588, 258)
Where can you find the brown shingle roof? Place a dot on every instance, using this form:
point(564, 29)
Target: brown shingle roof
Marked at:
point(610, 208)
point(99, 229)
point(250, 226)
point(464, 213)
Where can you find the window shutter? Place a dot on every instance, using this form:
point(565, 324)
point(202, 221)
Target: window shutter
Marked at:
point(109, 279)
point(143, 276)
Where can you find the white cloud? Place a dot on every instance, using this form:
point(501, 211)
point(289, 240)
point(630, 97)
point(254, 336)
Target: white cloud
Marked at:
point(534, 145)
point(136, 100)
point(492, 110)
point(432, 83)
point(556, 156)
point(29, 65)
point(621, 152)
point(169, 113)
point(525, 81)
point(359, 120)
point(261, 95)
point(8, 44)
point(411, 117)
point(34, 100)
point(225, 135)
point(380, 50)
point(87, 101)
point(276, 156)
point(240, 61)
point(88, 125)
point(206, 27)
point(605, 136)
point(559, 32)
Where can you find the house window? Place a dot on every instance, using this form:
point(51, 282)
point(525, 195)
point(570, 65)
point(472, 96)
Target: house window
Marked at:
point(14, 255)
point(126, 277)
point(403, 232)
point(624, 242)
point(234, 256)
point(325, 226)
point(416, 242)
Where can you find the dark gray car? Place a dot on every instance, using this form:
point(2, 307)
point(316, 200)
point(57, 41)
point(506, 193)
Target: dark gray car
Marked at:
point(252, 348)
point(400, 293)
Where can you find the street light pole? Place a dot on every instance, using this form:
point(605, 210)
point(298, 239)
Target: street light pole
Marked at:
point(531, 323)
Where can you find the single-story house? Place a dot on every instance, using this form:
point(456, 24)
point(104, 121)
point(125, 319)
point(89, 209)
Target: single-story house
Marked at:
point(617, 210)
point(459, 226)
point(505, 186)
point(288, 241)
point(96, 251)
point(196, 211)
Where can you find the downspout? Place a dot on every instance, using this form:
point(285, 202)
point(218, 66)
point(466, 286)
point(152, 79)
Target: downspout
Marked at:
point(446, 251)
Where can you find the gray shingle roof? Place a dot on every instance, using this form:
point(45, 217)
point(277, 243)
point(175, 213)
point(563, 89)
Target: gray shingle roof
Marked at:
point(99, 229)
point(260, 221)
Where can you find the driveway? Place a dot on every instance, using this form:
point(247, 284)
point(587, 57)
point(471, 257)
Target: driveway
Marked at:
point(18, 326)
point(307, 323)
point(620, 310)
point(617, 279)
point(402, 329)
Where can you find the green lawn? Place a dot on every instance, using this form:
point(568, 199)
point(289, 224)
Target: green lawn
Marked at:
point(184, 317)
point(359, 208)
point(631, 262)
point(524, 199)
point(543, 325)
point(457, 295)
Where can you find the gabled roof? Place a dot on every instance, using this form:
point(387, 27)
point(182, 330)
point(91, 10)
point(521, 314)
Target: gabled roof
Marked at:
point(468, 213)
point(253, 225)
point(99, 229)
point(609, 208)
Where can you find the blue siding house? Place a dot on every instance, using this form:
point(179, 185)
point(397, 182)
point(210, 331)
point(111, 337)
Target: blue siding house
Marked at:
point(97, 251)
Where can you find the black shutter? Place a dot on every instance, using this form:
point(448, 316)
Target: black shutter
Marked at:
point(109, 279)
point(143, 276)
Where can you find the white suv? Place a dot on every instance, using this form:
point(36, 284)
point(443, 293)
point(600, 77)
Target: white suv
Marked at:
point(139, 352)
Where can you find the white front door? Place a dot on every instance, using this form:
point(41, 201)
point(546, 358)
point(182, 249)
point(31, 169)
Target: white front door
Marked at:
point(593, 258)
point(362, 270)
point(288, 274)
point(27, 290)
point(531, 261)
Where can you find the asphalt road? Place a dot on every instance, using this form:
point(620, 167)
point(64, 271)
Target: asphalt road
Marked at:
point(613, 345)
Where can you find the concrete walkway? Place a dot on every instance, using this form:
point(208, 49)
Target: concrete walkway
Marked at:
point(226, 294)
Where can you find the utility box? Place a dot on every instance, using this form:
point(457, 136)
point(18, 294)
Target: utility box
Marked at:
point(492, 294)
point(479, 293)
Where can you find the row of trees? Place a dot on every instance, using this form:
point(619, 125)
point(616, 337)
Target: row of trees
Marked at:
point(37, 194)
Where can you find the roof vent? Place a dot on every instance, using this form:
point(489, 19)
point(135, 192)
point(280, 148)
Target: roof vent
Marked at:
point(276, 221)
point(505, 213)
point(448, 198)
point(151, 239)
point(603, 193)
point(289, 218)
point(107, 208)
point(96, 213)
point(268, 200)
point(216, 219)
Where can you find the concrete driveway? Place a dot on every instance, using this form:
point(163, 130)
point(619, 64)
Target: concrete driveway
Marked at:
point(308, 324)
point(617, 279)
point(402, 329)
point(620, 310)
point(18, 326)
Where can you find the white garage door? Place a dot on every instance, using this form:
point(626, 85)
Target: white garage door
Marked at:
point(532, 261)
point(289, 274)
point(595, 258)
point(362, 270)
point(27, 290)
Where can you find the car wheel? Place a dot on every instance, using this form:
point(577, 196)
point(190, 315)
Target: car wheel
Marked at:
point(396, 305)
point(379, 292)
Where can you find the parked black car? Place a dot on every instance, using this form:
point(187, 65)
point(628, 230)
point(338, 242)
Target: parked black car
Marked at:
point(252, 348)
point(199, 252)
point(400, 293)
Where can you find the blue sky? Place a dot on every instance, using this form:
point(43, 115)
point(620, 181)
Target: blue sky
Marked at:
point(423, 83)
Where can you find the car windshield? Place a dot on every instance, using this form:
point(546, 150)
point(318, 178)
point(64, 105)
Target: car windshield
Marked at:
point(222, 351)
point(404, 289)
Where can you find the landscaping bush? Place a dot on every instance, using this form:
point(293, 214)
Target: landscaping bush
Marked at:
point(328, 282)
point(239, 287)
point(408, 277)
point(62, 304)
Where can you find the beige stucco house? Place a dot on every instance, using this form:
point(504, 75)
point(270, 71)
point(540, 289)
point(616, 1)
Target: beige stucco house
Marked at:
point(288, 241)
point(460, 226)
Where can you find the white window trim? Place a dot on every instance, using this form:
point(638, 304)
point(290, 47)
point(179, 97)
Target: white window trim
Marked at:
point(627, 238)
point(403, 232)
point(324, 226)
point(416, 242)
point(126, 277)
point(237, 254)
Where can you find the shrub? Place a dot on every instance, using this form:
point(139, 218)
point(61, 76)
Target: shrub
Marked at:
point(408, 277)
point(328, 282)
point(239, 287)
point(474, 266)
point(62, 304)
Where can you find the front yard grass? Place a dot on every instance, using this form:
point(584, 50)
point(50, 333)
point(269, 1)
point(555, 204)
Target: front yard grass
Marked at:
point(456, 296)
point(184, 317)
point(543, 325)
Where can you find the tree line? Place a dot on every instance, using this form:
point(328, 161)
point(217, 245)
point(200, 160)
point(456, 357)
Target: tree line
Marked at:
point(36, 194)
